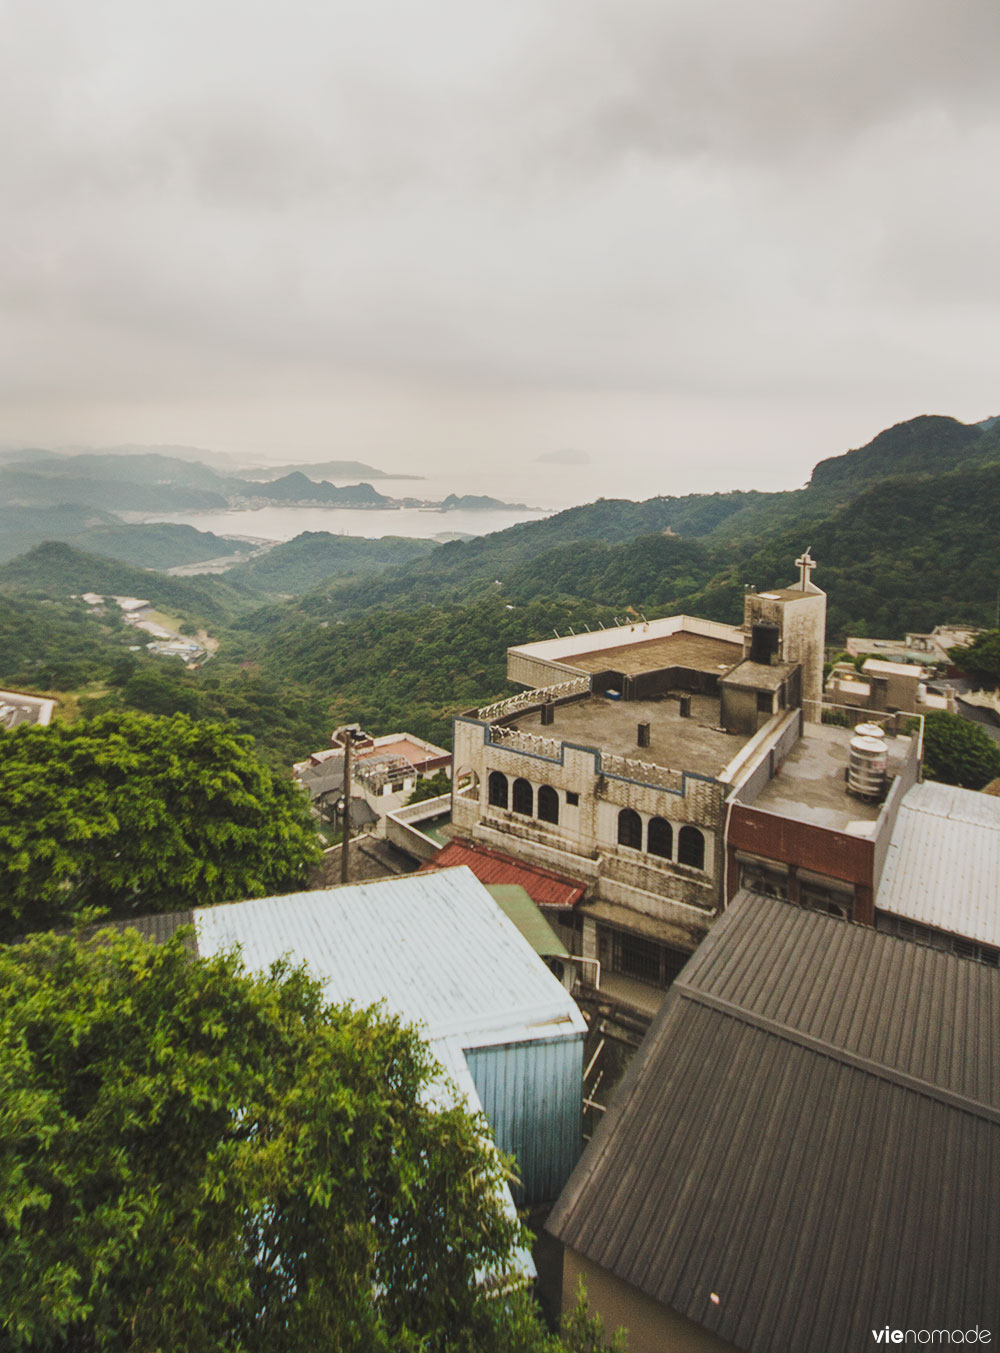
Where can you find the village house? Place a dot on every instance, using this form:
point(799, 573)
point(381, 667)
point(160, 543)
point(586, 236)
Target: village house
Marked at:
point(384, 772)
point(889, 687)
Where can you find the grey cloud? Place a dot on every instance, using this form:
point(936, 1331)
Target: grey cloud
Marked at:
point(640, 205)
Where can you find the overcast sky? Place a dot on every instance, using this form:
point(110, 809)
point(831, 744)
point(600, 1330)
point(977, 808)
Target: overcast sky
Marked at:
point(704, 242)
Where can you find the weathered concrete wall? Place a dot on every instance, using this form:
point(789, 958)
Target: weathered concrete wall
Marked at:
point(802, 623)
point(584, 841)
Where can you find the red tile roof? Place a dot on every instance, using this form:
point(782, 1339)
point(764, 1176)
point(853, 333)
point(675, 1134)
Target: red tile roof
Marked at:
point(545, 887)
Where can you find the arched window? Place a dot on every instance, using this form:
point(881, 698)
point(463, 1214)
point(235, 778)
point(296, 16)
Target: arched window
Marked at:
point(660, 838)
point(630, 829)
point(548, 804)
point(497, 789)
point(691, 847)
point(523, 798)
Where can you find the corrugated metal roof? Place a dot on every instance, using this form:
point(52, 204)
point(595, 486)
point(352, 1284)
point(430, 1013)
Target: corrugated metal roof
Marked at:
point(811, 1131)
point(434, 947)
point(545, 887)
point(942, 867)
point(518, 907)
point(157, 928)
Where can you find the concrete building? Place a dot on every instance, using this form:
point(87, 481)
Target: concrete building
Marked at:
point(802, 1153)
point(888, 687)
point(16, 709)
point(930, 649)
point(661, 763)
point(384, 773)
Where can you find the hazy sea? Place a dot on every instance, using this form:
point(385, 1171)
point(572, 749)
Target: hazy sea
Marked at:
point(544, 489)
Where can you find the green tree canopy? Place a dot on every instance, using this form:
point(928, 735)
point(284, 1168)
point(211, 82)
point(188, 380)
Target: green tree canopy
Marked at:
point(430, 787)
point(959, 752)
point(981, 659)
point(134, 813)
point(195, 1158)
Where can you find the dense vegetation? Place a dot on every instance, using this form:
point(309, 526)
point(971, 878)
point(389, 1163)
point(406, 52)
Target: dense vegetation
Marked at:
point(131, 813)
point(199, 1159)
point(980, 660)
point(958, 752)
point(312, 558)
point(405, 633)
point(56, 569)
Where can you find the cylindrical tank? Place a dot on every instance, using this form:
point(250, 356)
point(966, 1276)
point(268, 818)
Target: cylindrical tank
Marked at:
point(868, 765)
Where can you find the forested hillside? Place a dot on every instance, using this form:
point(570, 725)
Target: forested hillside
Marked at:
point(312, 558)
point(404, 632)
point(57, 570)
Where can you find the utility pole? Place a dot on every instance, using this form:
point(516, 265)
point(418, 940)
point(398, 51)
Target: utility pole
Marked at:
point(347, 809)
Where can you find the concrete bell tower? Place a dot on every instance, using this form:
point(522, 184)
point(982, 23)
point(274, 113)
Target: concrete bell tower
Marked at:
point(788, 626)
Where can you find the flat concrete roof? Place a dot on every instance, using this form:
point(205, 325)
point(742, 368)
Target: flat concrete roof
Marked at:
point(698, 651)
point(812, 784)
point(788, 593)
point(695, 744)
point(758, 676)
point(406, 747)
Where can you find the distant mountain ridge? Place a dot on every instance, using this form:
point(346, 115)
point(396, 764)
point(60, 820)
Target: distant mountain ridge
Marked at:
point(929, 444)
point(297, 488)
point(326, 469)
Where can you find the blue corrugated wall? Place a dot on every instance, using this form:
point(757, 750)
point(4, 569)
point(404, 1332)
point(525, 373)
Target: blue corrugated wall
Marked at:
point(532, 1095)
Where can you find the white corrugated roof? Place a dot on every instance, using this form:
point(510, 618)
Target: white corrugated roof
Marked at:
point(943, 864)
point(434, 947)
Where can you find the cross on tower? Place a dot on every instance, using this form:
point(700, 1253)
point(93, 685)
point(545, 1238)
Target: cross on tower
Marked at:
point(805, 565)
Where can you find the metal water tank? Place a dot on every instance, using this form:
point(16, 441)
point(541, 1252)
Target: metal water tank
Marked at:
point(868, 765)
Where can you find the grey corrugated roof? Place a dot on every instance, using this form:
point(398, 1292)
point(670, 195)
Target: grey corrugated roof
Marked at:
point(942, 867)
point(435, 947)
point(158, 928)
point(811, 1131)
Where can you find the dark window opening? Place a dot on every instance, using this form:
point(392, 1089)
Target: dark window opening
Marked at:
point(497, 789)
point(572, 799)
point(645, 960)
point(523, 798)
point(691, 848)
point(548, 804)
point(758, 878)
point(830, 900)
point(660, 838)
point(630, 829)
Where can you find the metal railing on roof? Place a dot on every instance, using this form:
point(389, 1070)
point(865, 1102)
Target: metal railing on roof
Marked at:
point(542, 695)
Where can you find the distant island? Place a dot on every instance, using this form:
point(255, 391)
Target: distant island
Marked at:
point(479, 502)
point(327, 469)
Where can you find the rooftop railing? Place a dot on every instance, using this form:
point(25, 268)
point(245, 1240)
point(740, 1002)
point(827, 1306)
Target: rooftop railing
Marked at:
point(542, 695)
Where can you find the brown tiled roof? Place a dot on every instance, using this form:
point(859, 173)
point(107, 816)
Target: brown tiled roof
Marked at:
point(545, 887)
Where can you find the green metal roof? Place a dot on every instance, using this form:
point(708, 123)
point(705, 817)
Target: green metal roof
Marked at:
point(518, 907)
